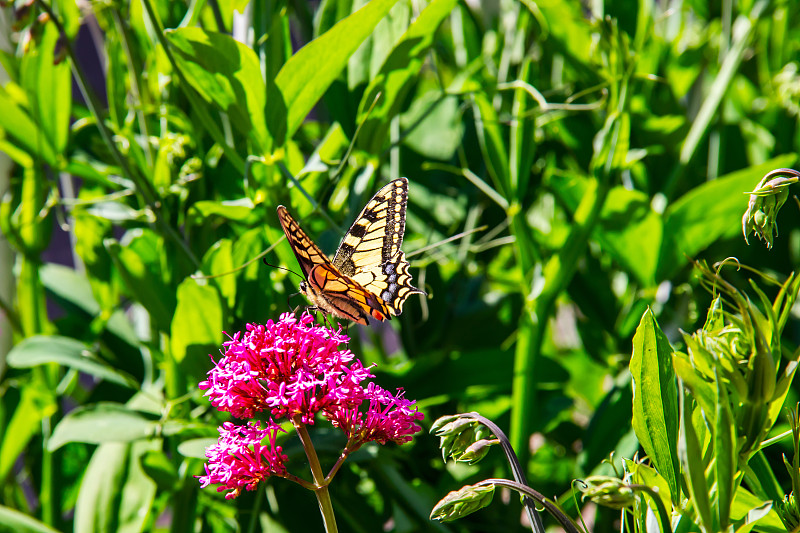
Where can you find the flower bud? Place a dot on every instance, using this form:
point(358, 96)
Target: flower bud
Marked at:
point(608, 491)
point(462, 502)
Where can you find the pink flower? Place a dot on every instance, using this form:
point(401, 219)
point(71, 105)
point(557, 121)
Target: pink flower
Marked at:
point(387, 418)
point(239, 460)
point(291, 367)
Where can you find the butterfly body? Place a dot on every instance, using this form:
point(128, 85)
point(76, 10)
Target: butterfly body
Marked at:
point(368, 277)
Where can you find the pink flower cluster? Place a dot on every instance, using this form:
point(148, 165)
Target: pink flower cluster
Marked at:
point(239, 459)
point(293, 369)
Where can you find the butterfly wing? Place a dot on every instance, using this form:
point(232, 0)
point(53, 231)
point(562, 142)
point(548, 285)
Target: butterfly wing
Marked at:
point(308, 254)
point(370, 251)
point(335, 293)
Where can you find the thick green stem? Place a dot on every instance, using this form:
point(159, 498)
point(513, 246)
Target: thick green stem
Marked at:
point(558, 272)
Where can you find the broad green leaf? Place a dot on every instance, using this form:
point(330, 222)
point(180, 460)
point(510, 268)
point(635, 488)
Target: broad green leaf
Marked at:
point(36, 403)
point(397, 75)
point(65, 351)
point(234, 210)
point(754, 515)
point(708, 213)
point(218, 262)
point(13, 520)
point(116, 494)
point(655, 402)
point(103, 422)
point(744, 502)
point(195, 448)
point(438, 129)
point(138, 266)
point(226, 73)
point(307, 74)
point(631, 232)
point(196, 329)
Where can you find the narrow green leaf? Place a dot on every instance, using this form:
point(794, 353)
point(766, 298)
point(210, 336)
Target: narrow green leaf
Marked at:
point(492, 142)
point(725, 451)
point(16, 122)
point(702, 391)
point(103, 422)
point(36, 403)
point(691, 457)
point(49, 88)
point(397, 75)
point(65, 351)
point(13, 520)
point(307, 74)
point(655, 402)
point(226, 73)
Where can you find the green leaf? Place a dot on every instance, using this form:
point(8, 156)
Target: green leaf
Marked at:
point(397, 75)
point(655, 402)
point(492, 143)
point(708, 213)
point(225, 73)
point(13, 520)
point(307, 74)
point(745, 501)
point(49, 88)
point(16, 121)
point(197, 326)
point(116, 494)
point(36, 403)
point(691, 457)
point(103, 422)
point(218, 262)
point(725, 450)
point(195, 448)
point(65, 351)
point(137, 264)
point(438, 129)
point(628, 219)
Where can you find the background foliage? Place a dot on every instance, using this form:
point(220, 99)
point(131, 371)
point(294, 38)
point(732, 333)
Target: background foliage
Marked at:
point(583, 152)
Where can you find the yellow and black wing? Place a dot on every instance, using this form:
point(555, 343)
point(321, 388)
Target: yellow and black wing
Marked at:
point(308, 254)
point(370, 251)
point(335, 293)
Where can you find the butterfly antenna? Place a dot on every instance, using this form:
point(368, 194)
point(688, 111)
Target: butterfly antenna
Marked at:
point(264, 260)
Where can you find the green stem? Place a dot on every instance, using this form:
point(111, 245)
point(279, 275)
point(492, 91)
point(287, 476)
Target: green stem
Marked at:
point(566, 522)
point(321, 490)
point(558, 272)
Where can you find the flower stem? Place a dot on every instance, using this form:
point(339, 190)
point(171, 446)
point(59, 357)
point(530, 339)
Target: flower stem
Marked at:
point(320, 483)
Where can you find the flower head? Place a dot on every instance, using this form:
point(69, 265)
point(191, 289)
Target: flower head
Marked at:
point(240, 460)
point(387, 418)
point(291, 368)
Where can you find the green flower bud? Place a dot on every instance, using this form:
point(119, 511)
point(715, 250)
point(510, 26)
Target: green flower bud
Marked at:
point(608, 491)
point(462, 502)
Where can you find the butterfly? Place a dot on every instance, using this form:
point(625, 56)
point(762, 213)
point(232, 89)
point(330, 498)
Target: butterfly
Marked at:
point(368, 277)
